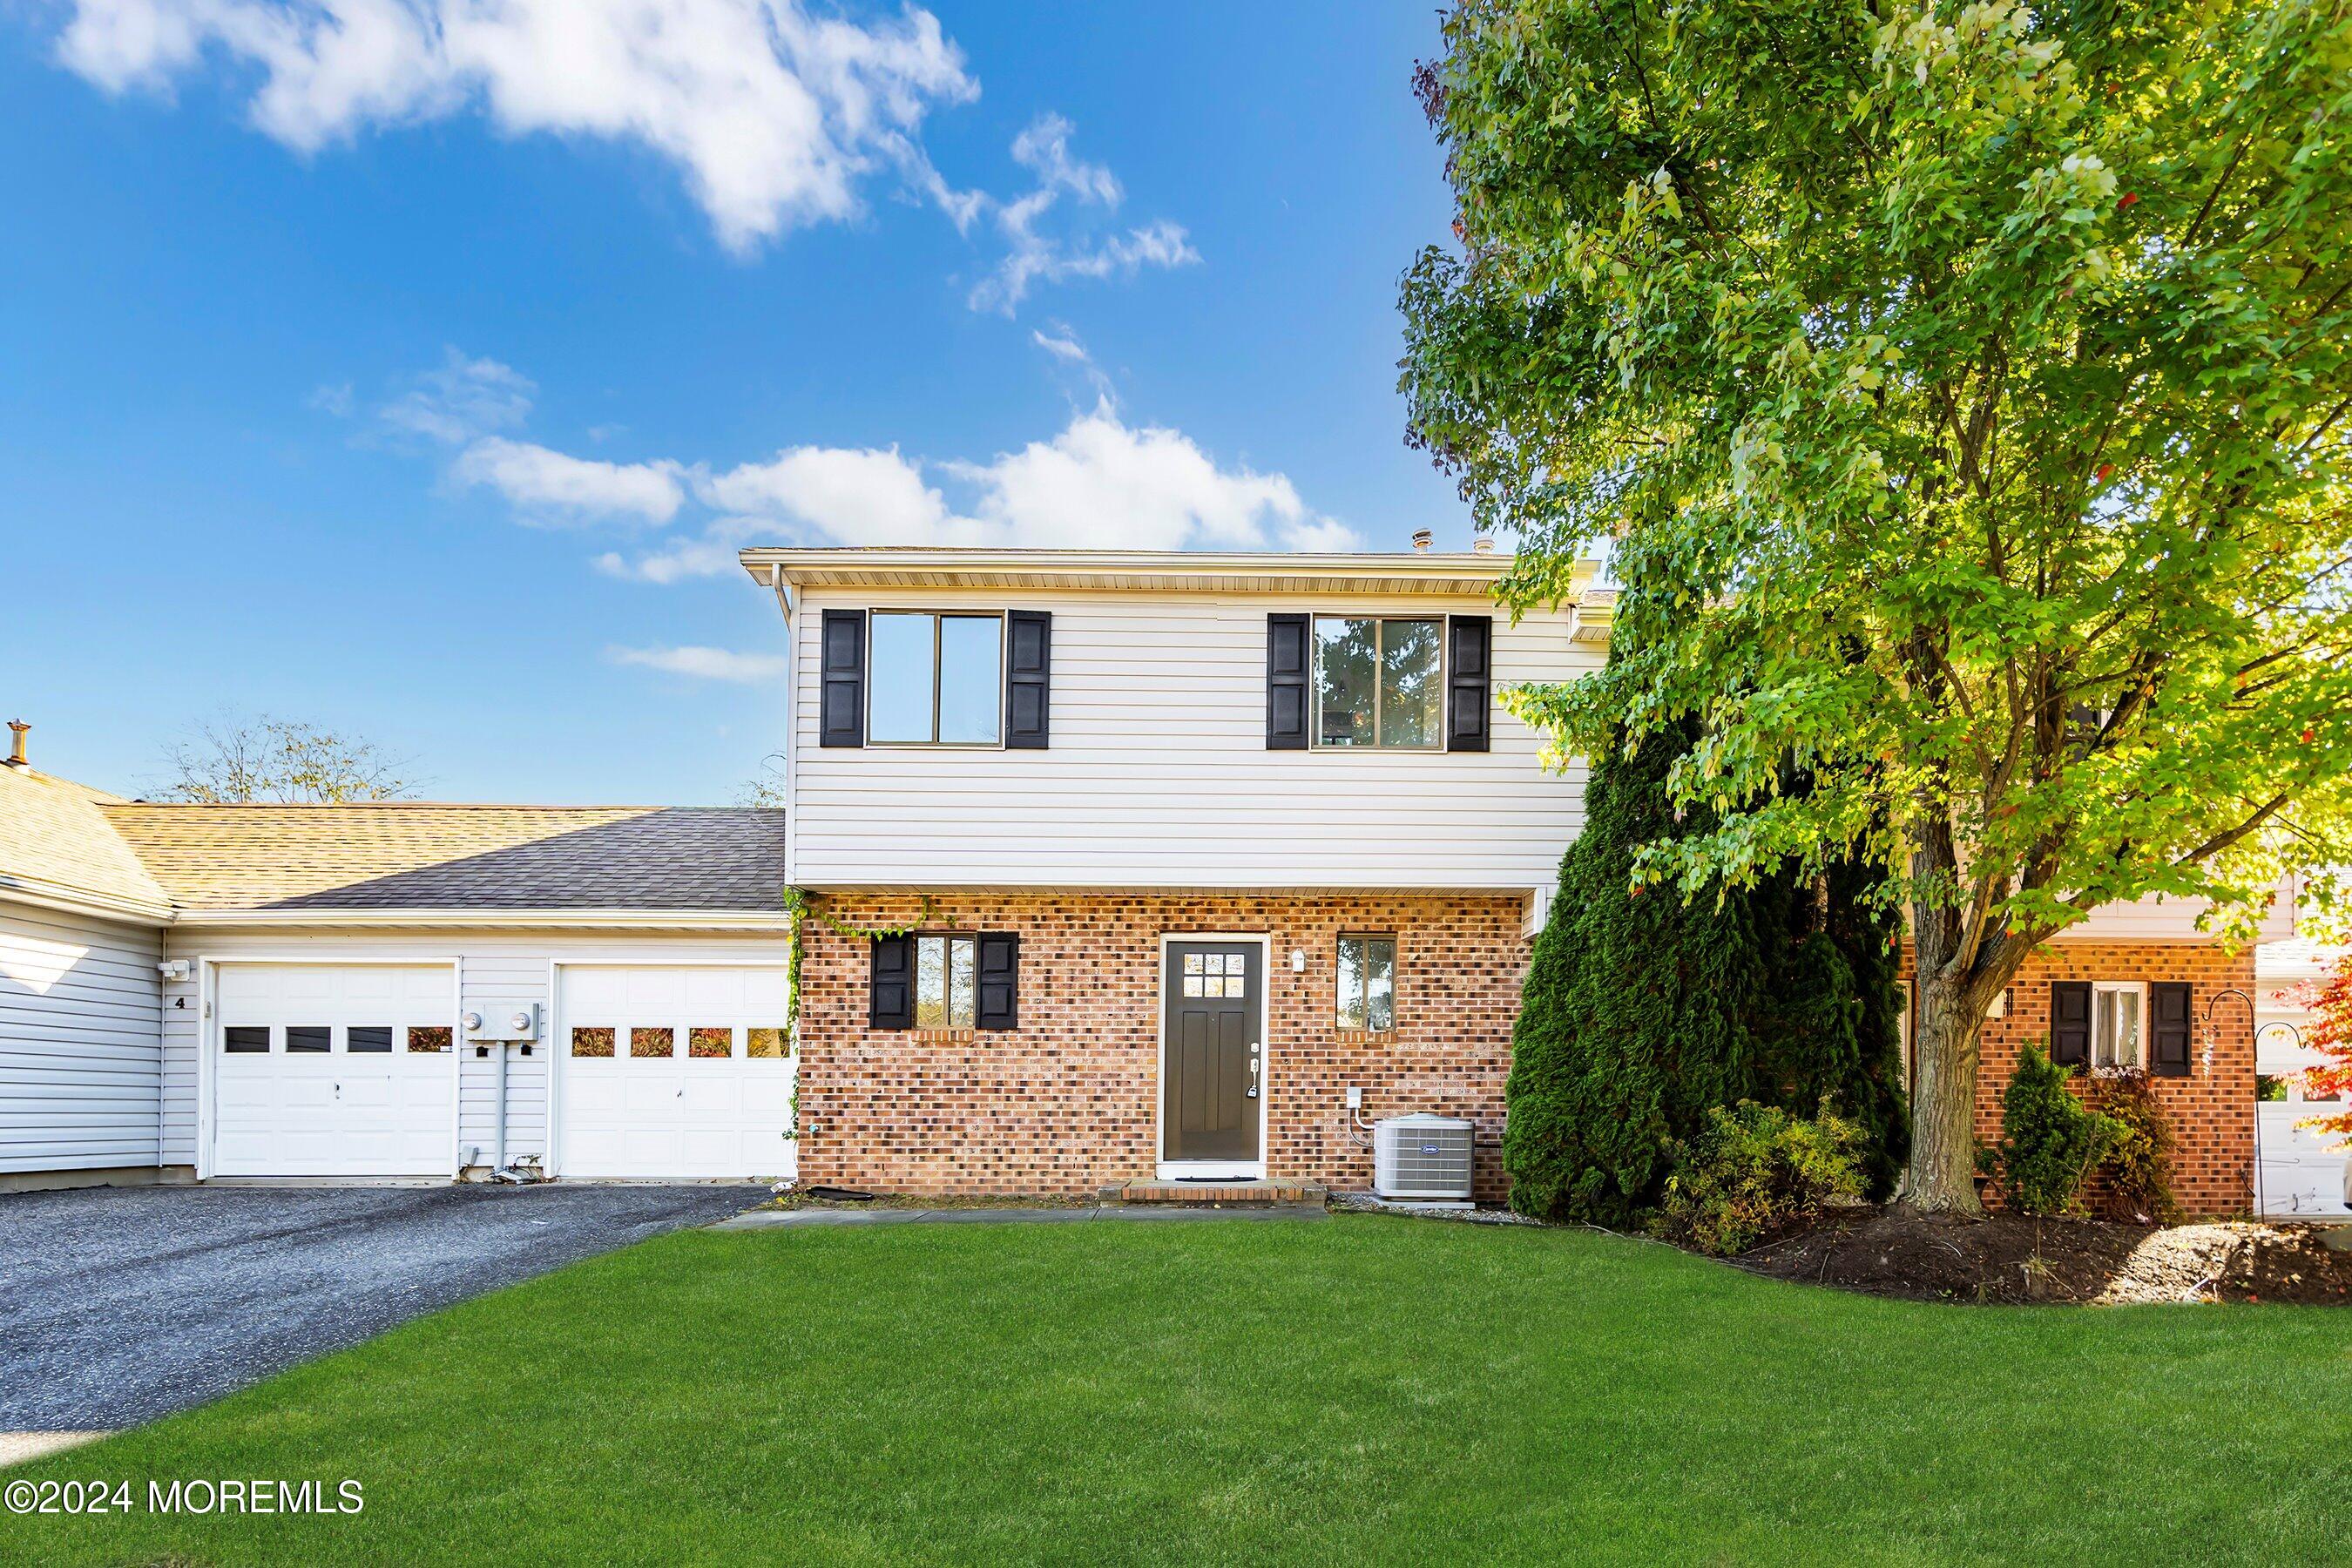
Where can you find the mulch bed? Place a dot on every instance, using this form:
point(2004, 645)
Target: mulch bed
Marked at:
point(2006, 1257)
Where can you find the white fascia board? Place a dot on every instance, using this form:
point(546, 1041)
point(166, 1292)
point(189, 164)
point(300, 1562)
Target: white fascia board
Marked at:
point(529, 920)
point(75, 900)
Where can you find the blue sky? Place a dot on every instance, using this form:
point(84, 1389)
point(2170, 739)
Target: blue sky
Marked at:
point(368, 364)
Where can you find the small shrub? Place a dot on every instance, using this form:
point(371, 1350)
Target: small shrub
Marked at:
point(2048, 1139)
point(1756, 1172)
point(2138, 1163)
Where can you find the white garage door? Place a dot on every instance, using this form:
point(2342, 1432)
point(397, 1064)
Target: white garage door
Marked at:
point(2302, 1172)
point(676, 1073)
point(333, 1070)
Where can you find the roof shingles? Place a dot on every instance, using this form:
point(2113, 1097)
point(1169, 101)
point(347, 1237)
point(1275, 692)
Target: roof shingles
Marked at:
point(410, 855)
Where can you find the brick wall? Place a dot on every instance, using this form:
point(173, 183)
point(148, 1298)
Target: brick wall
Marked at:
point(1066, 1103)
point(2211, 1110)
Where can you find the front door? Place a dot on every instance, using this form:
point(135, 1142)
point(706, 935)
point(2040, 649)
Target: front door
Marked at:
point(1212, 1058)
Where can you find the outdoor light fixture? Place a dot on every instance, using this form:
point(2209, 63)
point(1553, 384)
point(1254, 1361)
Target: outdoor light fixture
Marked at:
point(1298, 960)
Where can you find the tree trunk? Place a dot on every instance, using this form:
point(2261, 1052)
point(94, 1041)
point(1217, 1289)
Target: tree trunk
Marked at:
point(1942, 1178)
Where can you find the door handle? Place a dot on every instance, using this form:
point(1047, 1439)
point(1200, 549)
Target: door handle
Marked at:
point(1250, 1093)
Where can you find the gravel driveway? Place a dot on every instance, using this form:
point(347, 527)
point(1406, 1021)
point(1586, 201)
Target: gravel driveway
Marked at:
point(121, 1304)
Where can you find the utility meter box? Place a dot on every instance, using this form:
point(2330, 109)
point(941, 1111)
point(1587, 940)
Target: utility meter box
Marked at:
point(512, 1021)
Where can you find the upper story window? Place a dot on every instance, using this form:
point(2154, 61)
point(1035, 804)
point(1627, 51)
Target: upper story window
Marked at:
point(1379, 682)
point(937, 678)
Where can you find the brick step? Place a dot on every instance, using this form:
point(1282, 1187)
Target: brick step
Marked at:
point(1229, 1193)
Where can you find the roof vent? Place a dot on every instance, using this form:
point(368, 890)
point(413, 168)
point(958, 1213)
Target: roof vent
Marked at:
point(18, 729)
point(1482, 545)
point(1420, 540)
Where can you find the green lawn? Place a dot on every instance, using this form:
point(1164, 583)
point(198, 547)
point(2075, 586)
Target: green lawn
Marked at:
point(1371, 1388)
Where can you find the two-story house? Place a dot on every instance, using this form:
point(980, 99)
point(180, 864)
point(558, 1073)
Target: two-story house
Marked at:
point(1119, 866)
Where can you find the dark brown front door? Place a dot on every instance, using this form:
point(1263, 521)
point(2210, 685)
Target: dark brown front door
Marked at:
point(1209, 1074)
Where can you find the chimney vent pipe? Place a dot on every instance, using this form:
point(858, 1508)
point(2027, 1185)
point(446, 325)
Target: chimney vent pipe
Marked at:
point(18, 729)
point(1421, 538)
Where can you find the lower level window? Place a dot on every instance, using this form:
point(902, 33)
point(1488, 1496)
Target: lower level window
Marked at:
point(2116, 1010)
point(944, 989)
point(1367, 982)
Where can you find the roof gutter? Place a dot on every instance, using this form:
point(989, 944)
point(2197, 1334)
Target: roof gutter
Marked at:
point(78, 901)
point(769, 920)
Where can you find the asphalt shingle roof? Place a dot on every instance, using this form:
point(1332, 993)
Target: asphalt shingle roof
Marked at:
point(394, 855)
point(54, 835)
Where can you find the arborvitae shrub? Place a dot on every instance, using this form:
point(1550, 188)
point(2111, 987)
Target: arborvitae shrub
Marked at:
point(2048, 1139)
point(1642, 1013)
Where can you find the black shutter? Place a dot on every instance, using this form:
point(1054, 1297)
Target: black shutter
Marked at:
point(2168, 1030)
point(890, 990)
point(2070, 1022)
point(1286, 682)
point(998, 1006)
point(1028, 678)
point(841, 718)
point(1469, 680)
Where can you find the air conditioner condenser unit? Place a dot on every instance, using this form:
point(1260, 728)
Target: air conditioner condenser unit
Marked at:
point(1421, 1156)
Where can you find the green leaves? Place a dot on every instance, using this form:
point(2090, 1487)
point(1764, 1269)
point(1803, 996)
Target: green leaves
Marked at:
point(1968, 388)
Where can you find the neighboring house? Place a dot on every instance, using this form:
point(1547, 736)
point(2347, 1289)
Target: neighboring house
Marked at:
point(2303, 1171)
point(1178, 858)
point(369, 991)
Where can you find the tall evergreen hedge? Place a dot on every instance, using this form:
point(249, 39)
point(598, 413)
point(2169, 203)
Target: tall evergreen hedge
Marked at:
point(1642, 1011)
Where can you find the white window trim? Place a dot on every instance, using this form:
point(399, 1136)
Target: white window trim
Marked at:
point(1315, 740)
point(1339, 973)
point(1002, 653)
point(2137, 988)
point(947, 979)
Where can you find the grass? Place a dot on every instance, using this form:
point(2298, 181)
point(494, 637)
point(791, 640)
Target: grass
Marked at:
point(1369, 1389)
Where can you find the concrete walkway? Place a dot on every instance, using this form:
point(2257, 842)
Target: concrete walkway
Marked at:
point(772, 1219)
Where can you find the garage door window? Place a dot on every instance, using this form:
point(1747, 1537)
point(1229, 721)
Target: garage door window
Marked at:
point(368, 1040)
point(309, 1038)
point(592, 1042)
point(710, 1042)
point(428, 1037)
point(651, 1042)
point(246, 1039)
point(763, 1043)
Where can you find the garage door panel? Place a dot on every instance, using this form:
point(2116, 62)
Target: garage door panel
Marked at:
point(334, 1112)
point(695, 1118)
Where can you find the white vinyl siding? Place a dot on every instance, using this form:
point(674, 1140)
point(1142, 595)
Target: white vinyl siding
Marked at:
point(80, 1069)
point(502, 970)
point(1158, 775)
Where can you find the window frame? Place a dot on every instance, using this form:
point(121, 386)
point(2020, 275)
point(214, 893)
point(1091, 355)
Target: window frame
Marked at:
point(1314, 741)
point(947, 981)
point(938, 616)
point(1339, 977)
point(2105, 988)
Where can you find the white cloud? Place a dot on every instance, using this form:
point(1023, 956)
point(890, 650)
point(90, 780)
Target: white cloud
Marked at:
point(1064, 345)
point(772, 112)
point(1033, 255)
point(1099, 483)
point(543, 482)
point(461, 399)
point(704, 663)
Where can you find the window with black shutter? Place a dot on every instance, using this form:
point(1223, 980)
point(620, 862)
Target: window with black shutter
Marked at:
point(999, 981)
point(1469, 680)
point(1028, 679)
point(2070, 1022)
point(2169, 1014)
point(841, 720)
point(890, 990)
point(1286, 657)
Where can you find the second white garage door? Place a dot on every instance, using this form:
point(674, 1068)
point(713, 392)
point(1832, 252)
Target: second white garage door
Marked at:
point(674, 1072)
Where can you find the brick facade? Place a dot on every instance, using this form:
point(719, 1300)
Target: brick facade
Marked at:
point(2211, 1110)
point(1068, 1102)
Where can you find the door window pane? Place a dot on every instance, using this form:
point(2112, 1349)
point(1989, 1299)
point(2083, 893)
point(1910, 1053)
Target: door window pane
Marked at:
point(765, 1043)
point(971, 681)
point(429, 1037)
point(652, 1043)
point(370, 1038)
point(246, 1039)
point(1410, 688)
point(898, 678)
point(308, 1039)
point(1347, 658)
point(590, 1041)
point(706, 1042)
